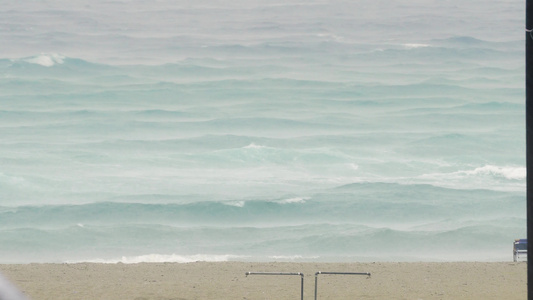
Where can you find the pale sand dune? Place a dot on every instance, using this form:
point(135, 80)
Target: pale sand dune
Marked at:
point(227, 280)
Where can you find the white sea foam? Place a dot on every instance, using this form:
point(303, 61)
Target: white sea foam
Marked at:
point(292, 257)
point(235, 203)
point(413, 46)
point(487, 177)
point(254, 146)
point(46, 60)
point(294, 200)
point(155, 258)
point(511, 173)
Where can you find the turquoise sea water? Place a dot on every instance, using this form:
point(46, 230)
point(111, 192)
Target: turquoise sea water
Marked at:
point(261, 131)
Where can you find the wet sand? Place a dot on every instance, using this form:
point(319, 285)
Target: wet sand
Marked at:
point(227, 280)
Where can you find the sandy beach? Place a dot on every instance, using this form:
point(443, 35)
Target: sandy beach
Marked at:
point(227, 280)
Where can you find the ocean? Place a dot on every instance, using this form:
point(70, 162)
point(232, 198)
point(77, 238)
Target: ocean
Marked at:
point(329, 131)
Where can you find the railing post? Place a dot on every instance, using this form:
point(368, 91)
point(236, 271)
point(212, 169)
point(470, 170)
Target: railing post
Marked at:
point(529, 141)
point(334, 273)
point(281, 273)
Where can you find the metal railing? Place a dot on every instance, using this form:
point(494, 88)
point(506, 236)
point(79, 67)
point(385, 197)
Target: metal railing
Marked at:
point(333, 273)
point(281, 273)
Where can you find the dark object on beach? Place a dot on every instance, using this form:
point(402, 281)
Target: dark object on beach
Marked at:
point(519, 247)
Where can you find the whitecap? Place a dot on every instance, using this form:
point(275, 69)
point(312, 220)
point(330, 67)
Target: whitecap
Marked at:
point(414, 46)
point(235, 203)
point(294, 200)
point(333, 37)
point(485, 177)
point(46, 60)
point(254, 146)
point(511, 173)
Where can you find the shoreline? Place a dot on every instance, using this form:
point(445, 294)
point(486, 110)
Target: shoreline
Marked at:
point(227, 280)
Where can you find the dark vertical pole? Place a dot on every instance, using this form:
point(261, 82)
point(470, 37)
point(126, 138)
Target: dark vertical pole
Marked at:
point(529, 141)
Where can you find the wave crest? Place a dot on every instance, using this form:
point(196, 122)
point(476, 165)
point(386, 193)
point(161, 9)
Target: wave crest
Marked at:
point(511, 173)
point(160, 258)
point(46, 60)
